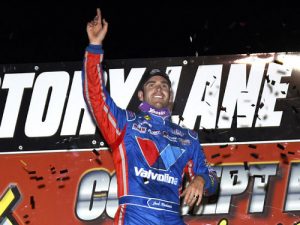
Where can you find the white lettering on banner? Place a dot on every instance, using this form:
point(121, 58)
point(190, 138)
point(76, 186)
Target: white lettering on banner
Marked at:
point(174, 73)
point(36, 125)
point(15, 83)
point(235, 180)
point(293, 192)
point(112, 203)
point(272, 90)
point(261, 179)
point(204, 97)
point(122, 91)
point(241, 94)
point(90, 204)
point(230, 188)
point(76, 105)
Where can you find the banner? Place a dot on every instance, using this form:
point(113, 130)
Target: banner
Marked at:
point(56, 168)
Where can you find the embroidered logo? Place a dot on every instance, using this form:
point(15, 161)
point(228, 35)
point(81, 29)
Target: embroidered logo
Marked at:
point(161, 160)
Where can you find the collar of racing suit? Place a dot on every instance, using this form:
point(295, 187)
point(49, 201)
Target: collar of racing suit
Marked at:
point(164, 113)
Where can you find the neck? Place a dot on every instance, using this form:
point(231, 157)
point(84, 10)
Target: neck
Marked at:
point(163, 112)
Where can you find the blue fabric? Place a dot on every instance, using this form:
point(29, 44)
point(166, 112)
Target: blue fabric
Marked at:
point(150, 155)
point(96, 49)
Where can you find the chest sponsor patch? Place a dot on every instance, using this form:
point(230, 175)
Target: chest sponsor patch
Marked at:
point(161, 160)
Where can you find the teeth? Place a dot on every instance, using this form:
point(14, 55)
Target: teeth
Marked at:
point(157, 96)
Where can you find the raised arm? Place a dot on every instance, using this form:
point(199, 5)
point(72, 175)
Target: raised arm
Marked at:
point(109, 117)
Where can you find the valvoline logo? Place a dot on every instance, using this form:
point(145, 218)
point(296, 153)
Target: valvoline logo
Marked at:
point(159, 160)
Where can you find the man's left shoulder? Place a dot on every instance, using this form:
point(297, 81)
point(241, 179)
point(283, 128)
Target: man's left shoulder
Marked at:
point(193, 134)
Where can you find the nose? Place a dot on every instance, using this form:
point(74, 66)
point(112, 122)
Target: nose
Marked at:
point(158, 87)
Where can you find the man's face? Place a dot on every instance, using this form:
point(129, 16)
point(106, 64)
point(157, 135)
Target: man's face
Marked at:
point(156, 92)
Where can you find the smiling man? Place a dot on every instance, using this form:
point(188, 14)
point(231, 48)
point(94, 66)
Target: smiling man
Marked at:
point(155, 89)
point(150, 153)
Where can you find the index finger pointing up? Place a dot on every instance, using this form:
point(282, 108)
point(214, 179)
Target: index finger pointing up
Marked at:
point(99, 14)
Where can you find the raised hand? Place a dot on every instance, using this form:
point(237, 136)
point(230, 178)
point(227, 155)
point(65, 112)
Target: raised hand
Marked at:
point(97, 29)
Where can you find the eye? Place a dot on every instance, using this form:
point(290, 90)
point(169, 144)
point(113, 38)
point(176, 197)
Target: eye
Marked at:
point(165, 86)
point(151, 85)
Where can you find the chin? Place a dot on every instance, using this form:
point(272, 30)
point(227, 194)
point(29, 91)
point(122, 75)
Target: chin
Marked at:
point(159, 106)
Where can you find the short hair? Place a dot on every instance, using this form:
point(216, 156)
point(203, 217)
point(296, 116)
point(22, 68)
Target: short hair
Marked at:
point(154, 72)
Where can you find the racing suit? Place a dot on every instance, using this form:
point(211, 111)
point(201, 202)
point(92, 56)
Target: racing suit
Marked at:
point(150, 153)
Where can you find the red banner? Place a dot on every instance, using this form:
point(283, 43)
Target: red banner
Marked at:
point(57, 169)
point(258, 183)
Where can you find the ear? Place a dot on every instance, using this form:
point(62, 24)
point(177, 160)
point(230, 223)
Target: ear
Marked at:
point(141, 95)
point(171, 101)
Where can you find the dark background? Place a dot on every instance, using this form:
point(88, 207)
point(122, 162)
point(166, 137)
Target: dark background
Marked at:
point(55, 31)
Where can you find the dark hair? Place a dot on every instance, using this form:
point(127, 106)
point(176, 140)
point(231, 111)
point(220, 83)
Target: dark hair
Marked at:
point(154, 72)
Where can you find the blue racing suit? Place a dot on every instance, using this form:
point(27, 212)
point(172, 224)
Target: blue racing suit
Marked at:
point(150, 153)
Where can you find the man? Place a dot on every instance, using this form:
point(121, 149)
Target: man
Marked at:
point(150, 152)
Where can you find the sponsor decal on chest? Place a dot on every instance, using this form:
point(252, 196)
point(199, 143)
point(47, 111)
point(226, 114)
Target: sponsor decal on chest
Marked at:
point(161, 177)
point(174, 135)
